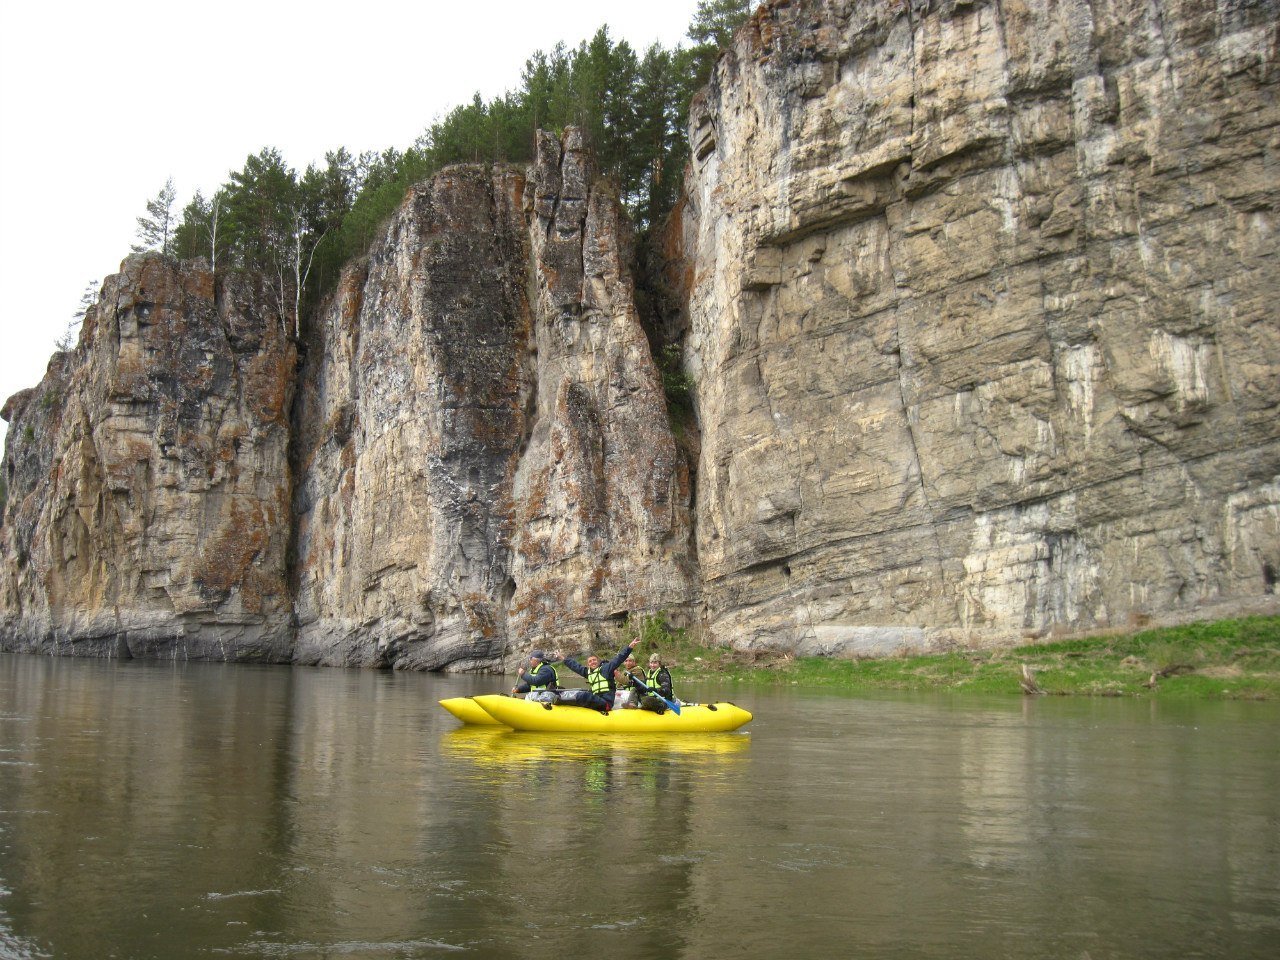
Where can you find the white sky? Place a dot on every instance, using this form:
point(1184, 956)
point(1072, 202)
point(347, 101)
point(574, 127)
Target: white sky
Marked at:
point(100, 102)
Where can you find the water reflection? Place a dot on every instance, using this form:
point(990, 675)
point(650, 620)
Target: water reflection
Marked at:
point(494, 746)
point(160, 810)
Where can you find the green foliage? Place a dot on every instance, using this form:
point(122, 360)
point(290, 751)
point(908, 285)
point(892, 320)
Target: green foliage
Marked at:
point(662, 93)
point(714, 21)
point(1226, 660)
point(156, 229)
point(627, 107)
point(378, 187)
point(191, 237)
point(652, 630)
point(88, 300)
point(1230, 659)
point(677, 385)
point(631, 108)
point(712, 28)
point(260, 200)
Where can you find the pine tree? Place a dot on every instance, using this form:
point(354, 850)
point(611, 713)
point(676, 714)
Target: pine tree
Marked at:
point(155, 230)
point(659, 140)
point(715, 21)
point(711, 30)
point(260, 200)
point(633, 110)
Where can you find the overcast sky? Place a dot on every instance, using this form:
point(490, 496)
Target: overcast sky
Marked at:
point(101, 102)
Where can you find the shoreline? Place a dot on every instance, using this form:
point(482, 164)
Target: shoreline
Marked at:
point(1235, 659)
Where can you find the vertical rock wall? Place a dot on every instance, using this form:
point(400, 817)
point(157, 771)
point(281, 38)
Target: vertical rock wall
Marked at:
point(604, 520)
point(484, 456)
point(148, 479)
point(984, 320)
point(415, 407)
point(981, 312)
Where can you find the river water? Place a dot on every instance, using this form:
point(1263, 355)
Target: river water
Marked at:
point(200, 810)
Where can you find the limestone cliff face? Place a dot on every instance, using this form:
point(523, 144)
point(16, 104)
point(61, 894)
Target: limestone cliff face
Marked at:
point(481, 449)
point(604, 523)
point(485, 456)
point(415, 407)
point(148, 481)
point(984, 319)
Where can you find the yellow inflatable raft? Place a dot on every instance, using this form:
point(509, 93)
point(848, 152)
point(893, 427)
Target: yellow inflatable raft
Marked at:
point(468, 711)
point(562, 718)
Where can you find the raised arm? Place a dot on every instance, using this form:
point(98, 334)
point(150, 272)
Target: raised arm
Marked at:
point(616, 662)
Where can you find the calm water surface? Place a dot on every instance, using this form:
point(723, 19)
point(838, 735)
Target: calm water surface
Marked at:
point(159, 810)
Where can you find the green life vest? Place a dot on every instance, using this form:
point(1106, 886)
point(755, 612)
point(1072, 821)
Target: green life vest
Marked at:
point(555, 682)
point(651, 681)
point(598, 682)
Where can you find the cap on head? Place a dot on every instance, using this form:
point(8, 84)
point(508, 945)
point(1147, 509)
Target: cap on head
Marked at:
point(537, 655)
point(655, 660)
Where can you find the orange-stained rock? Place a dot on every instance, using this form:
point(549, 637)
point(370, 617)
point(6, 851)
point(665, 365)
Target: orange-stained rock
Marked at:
point(148, 478)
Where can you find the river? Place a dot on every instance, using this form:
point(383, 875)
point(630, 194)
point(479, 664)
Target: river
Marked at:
point(205, 810)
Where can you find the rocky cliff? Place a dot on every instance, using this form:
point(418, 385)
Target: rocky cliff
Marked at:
point(148, 477)
point(983, 319)
point(485, 455)
point(979, 304)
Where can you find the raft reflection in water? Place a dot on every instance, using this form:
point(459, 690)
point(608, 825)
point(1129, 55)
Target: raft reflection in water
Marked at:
point(501, 746)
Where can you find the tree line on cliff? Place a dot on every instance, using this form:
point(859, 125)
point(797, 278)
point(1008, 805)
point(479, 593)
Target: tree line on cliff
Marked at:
point(300, 230)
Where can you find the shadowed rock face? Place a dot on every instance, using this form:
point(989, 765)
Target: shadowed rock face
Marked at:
point(984, 321)
point(483, 467)
point(148, 481)
point(415, 407)
point(603, 495)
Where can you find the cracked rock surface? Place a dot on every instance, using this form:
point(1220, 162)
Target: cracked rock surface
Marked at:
point(984, 320)
point(148, 477)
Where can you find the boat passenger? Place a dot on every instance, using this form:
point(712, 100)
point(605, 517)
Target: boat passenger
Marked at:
point(657, 678)
point(599, 676)
point(540, 682)
point(627, 696)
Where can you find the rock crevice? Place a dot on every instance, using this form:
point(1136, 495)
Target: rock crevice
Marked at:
point(1031, 228)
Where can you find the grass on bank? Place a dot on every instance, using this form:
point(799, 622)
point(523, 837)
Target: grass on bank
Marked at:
point(1224, 660)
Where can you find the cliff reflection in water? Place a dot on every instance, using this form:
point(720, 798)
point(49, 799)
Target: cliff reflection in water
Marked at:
point(161, 810)
point(598, 834)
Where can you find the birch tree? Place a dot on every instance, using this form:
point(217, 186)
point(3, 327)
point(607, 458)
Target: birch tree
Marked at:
point(300, 242)
point(215, 213)
point(197, 233)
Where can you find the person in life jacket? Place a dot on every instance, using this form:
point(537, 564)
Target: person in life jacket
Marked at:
point(599, 677)
point(628, 695)
point(657, 678)
point(540, 681)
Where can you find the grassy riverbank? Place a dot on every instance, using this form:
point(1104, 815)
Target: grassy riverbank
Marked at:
point(1228, 659)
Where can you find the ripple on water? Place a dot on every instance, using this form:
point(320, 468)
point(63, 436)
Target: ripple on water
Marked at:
point(351, 948)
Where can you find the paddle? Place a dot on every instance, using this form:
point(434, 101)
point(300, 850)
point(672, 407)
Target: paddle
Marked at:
point(647, 689)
